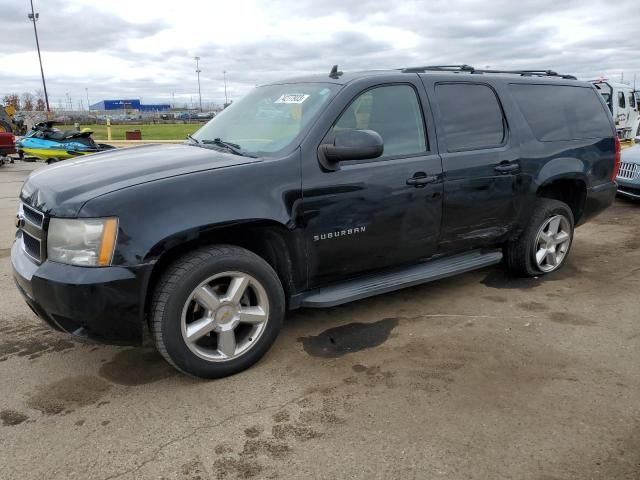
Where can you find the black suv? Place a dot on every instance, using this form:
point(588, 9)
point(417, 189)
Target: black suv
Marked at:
point(313, 192)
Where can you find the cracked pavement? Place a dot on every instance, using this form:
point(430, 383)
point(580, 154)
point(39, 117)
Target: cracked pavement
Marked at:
point(480, 376)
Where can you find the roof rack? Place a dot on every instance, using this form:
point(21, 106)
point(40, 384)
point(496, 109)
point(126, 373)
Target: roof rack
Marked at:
point(470, 69)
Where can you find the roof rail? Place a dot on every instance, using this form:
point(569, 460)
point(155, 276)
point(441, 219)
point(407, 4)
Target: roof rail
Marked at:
point(442, 68)
point(470, 69)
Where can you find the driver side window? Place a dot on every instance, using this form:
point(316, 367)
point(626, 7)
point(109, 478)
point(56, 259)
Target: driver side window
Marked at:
point(392, 111)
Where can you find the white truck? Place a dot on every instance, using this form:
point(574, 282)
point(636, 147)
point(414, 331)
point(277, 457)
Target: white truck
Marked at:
point(622, 100)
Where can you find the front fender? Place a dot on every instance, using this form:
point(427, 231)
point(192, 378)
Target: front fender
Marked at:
point(155, 216)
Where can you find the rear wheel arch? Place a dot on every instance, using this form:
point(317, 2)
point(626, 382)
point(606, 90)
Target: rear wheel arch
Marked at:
point(569, 190)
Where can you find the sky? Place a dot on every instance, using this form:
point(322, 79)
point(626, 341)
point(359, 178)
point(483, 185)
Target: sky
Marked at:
point(145, 48)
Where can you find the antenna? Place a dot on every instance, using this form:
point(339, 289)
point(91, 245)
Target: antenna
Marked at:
point(334, 73)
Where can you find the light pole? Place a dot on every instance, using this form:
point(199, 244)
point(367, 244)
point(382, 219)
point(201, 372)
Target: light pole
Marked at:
point(33, 16)
point(198, 73)
point(226, 100)
point(86, 89)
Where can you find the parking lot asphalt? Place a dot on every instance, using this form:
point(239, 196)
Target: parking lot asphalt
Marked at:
point(480, 376)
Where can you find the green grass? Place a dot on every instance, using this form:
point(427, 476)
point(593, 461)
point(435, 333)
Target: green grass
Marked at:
point(162, 131)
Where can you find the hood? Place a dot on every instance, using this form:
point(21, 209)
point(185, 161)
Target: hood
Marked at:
point(631, 154)
point(63, 188)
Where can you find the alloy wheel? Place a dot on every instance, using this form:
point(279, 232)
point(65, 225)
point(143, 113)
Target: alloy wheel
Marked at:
point(552, 243)
point(224, 316)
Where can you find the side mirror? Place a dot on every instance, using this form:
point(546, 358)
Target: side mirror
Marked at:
point(353, 145)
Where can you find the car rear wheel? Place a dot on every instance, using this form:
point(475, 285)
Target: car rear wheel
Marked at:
point(217, 311)
point(544, 245)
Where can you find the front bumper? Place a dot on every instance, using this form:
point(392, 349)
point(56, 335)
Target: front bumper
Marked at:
point(629, 188)
point(105, 304)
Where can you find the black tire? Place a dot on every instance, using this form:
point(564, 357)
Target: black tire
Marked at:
point(174, 290)
point(520, 253)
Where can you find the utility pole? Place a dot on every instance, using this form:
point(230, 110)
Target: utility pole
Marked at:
point(86, 89)
point(33, 16)
point(226, 100)
point(198, 73)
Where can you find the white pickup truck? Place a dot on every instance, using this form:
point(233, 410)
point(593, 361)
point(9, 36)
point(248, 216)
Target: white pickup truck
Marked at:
point(622, 100)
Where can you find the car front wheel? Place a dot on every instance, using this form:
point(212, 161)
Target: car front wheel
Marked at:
point(217, 311)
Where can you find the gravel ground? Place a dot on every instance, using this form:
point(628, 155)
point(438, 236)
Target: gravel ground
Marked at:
point(480, 376)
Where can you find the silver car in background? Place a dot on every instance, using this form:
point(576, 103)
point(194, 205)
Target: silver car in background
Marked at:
point(628, 179)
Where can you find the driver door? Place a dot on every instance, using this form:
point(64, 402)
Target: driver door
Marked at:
point(366, 215)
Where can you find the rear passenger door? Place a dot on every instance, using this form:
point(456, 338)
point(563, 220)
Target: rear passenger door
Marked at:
point(480, 163)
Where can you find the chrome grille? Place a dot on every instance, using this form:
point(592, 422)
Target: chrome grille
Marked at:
point(32, 232)
point(31, 246)
point(628, 170)
point(32, 215)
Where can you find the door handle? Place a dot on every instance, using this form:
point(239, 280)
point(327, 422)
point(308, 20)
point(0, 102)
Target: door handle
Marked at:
point(507, 167)
point(420, 180)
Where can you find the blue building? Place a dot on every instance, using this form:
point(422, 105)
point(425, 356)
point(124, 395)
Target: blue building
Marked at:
point(130, 104)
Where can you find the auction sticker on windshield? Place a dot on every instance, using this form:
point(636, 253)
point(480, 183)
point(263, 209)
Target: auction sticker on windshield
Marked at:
point(292, 98)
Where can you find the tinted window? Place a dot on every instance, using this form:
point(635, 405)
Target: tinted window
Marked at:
point(471, 116)
point(621, 103)
point(393, 112)
point(269, 118)
point(632, 100)
point(558, 112)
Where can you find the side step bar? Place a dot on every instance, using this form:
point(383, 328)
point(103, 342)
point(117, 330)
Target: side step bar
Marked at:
point(359, 288)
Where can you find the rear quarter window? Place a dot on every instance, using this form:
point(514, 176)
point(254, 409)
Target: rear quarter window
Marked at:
point(562, 112)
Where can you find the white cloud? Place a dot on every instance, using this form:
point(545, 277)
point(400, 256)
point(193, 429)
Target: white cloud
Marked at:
point(125, 48)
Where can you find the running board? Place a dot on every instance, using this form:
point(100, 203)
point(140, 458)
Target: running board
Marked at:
point(369, 286)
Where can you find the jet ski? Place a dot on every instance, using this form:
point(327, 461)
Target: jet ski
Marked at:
point(50, 144)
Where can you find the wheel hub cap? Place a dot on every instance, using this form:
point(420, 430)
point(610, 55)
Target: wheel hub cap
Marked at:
point(226, 314)
point(552, 243)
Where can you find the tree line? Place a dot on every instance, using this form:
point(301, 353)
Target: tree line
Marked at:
point(29, 102)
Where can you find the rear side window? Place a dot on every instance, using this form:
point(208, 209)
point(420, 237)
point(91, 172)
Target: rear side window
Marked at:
point(472, 118)
point(632, 100)
point(562, 112)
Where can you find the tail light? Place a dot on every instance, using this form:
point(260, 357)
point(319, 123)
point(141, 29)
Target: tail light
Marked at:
point(13, 139)
point(616, 166)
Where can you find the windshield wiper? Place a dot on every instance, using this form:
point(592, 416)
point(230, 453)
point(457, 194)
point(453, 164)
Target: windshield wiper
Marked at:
point(232, 147)
point(193, 139)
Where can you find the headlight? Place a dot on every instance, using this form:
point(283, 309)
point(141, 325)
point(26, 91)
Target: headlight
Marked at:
point(82, 241)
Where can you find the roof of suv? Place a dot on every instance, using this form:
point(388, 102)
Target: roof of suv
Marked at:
point(342, 78)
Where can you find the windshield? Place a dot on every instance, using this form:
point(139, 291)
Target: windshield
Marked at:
point(269, 118)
